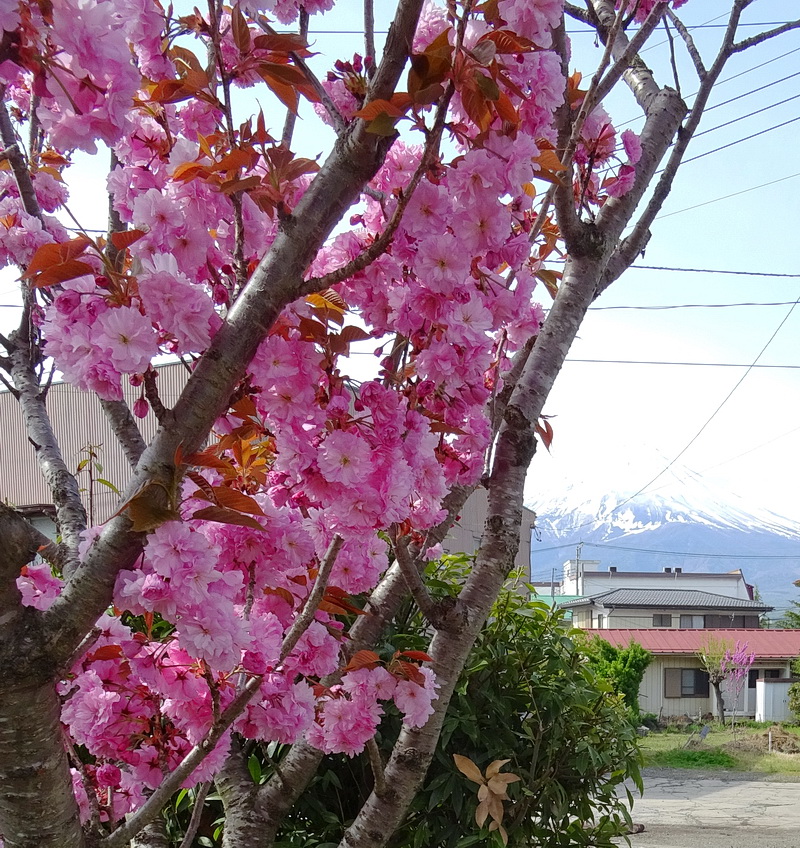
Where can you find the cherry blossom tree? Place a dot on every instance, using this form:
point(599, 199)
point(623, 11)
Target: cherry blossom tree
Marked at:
point(283, 512)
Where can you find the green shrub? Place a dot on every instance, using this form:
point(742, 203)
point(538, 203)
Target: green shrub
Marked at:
point(623, 668)
point(794, 699)
point(528, 695)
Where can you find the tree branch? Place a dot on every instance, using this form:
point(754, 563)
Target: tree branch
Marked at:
point(70, 514)
point(379, 246)
point(291, 115)
point(276, 282)
point(629, 52)
point(197, 815)
point(156, 801)
point(153, 398)
point(414, 582)
point(377, 766)
point(305, 618)
point(338, 121)
point(764, 36)
point(19, 167)
point(119, 416)
point(369, 36)
point(691, 47)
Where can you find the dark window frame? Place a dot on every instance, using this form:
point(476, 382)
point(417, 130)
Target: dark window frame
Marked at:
point(686, 683)
point(658, 619)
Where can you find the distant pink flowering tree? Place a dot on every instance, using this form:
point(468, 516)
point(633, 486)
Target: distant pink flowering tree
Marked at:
point(283, 512)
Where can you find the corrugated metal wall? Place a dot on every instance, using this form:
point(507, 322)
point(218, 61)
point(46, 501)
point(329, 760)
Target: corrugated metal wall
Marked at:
point(78, 420)
point(465, 535)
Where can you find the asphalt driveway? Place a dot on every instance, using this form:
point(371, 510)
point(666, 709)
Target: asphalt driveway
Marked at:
point(684, 809)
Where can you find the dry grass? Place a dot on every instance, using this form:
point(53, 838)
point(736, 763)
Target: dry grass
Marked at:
point(745, 749)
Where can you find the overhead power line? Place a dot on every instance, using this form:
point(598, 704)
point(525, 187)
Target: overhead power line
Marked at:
point(665, 553)
point(739, 140)
point(748, 93)
point(690, 306)
point(692, 554)
point(726, 196)
point(682, 364)
point(748, 115)
point(716, 270)
point(719, 407)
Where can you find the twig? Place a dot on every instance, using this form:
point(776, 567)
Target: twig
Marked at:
point(410, 572)
point(91, 795)
point(691, 47)
point(377, 765)
point(119, 416)
point(153, 398)
point(369, 36)
point(18, 166)
point(314, 599)
point(338, 121)
point(371, 253)
point(672, 60)
point(291, 115)
point(764, 36)
point(115, 225)
point(155, 803)
point(197, 815)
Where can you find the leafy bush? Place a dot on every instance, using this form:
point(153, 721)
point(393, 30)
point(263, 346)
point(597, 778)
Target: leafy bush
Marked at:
point(527, 695)
point(623, 668)
point(794, 699)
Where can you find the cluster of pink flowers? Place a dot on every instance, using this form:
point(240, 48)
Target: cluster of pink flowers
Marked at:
point(211, 603)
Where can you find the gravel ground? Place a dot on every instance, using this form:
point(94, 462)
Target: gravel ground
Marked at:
point(696, 809)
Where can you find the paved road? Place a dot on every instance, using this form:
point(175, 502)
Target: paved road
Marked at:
point(682, 810)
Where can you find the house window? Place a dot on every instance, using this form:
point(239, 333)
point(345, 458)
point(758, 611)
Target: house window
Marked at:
point(662, 620)
point(693, 622)
point(766, 673)
point(685, 683)
point(734, 622)
point(600, 621)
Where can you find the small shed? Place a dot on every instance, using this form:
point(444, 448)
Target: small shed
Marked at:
point(772, 698)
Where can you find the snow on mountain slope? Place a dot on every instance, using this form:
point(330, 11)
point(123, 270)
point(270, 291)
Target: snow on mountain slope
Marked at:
point(682, 523)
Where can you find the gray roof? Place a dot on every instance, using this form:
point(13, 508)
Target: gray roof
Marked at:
point(662, 598)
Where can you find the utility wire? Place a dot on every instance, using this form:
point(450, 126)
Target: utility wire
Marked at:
point(727, 196)
point(727, 80)
point(737, 141)
point(690, 306)
point(752, 91)
point(749, 366)
point(666, 553)
point(716, 270)
point(748, 115)
point(715, 412)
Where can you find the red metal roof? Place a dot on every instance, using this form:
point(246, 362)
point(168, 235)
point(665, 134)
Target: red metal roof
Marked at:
point(766, 644)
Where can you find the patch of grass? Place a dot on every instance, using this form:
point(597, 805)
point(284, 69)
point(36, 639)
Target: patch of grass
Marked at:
point(703, 759)
point(743, 751)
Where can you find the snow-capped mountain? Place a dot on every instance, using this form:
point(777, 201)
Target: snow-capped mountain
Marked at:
point(683, 523)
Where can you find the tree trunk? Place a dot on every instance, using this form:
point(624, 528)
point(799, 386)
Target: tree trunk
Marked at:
point(37, 807)
point(715, 684)
point(153, 835)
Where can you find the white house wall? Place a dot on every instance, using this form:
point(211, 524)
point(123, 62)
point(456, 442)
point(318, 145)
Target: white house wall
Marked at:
point(651, 692)
point(638, 618)
point(581, 580)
